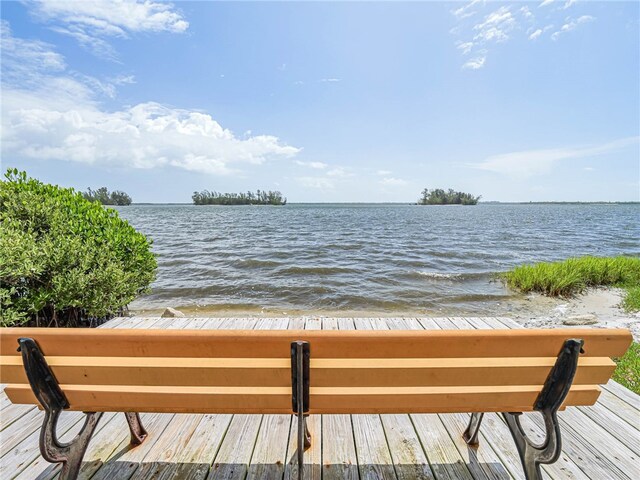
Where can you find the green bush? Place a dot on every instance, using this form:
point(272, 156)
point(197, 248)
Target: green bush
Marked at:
point(65, 260)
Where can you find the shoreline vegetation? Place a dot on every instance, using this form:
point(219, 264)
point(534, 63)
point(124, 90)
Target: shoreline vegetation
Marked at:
point(103, 196)
point(260, 197)
point(65, 260)
point(570, 277)
point(450, 197)
point(575, 275)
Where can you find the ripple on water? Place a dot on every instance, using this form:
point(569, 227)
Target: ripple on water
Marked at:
point(365, 257)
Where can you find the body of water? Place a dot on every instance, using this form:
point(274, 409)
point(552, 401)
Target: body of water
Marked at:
point(365, 257)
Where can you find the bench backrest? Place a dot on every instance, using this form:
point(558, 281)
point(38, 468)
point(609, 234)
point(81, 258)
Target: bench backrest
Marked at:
point(249, 371)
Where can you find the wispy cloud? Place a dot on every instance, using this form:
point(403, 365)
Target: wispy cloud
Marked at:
point(52, 113)
point(330, 80)
point(320, 183)
point(316, 165)
point(465, 47)
point(571, 25)
point(340, 172)
point(383, 172)
point(393, 182)
point(537, 162)
point(496, 26)
point(526, 13)
point(91, 23)
point(483, 25)
point(465, 11)
point(475, 63)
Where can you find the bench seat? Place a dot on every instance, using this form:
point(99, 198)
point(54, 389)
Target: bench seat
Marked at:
point(345, 372)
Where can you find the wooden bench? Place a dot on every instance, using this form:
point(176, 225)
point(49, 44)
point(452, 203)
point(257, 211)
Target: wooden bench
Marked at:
point(306, 372)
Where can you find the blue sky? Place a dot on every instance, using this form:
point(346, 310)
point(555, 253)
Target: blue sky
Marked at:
point(513, 101)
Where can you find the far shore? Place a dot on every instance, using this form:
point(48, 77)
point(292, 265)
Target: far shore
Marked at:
point(597, 307)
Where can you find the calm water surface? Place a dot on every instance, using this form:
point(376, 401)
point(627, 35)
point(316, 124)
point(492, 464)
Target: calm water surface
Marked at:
point(365, 257)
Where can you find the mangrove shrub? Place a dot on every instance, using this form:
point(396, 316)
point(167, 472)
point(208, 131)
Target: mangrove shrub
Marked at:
point(63, 259)
point(438, 196)
point(260, 197)
point(102, 195)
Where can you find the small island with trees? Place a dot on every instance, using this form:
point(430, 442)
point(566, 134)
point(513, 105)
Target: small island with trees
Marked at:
point(103, 196)
point(260, 197)
point(438, 196)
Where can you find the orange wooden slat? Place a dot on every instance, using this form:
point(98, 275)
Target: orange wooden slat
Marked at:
point(324, 343)
point(324, 372)
point(324, 400)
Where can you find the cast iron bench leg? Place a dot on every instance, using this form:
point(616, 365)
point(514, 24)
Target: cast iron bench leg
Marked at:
point(554, 391)
point(53, 400)
point(300, 369)
point(470, 435)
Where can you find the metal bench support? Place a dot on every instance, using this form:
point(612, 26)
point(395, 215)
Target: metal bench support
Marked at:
point(53, 400)
point(554, 391)
point(300, 371)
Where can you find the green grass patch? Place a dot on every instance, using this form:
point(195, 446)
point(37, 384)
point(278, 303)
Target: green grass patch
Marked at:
point(628, 370)
point(574, 275)
point(631, 302)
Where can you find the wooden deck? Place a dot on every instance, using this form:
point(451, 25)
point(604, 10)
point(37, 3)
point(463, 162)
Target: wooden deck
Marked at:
point(599, 442)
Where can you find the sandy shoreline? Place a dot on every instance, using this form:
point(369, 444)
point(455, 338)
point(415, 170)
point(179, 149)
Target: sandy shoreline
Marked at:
point(597, 307)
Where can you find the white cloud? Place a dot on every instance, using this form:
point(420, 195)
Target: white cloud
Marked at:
point(147, 135)
point(535, 34)
point(320, 183)
point(51, 113)
point(394, 182)
point(316, 165)
point(589, 169)
point(465, 47)
point(572, 25)
point(330, 80)
point(465, 10)
point(502, 24)
point(339, 172)
point(383, 172)
point(496, 26)
point(26, 58)
point(475, 63)
point(526, 13)
point(123, 79)
point(90, 22)
point(537, 162)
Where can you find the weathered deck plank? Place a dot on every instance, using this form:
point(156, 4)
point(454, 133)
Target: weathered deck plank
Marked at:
point(125, 461)
point(599, 441)
point(374, 457)
point(235, 456)
point(339, 460)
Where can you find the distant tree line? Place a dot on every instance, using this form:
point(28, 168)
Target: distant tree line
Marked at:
point(438, 196)
point(105, 197)
point(260, 197)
